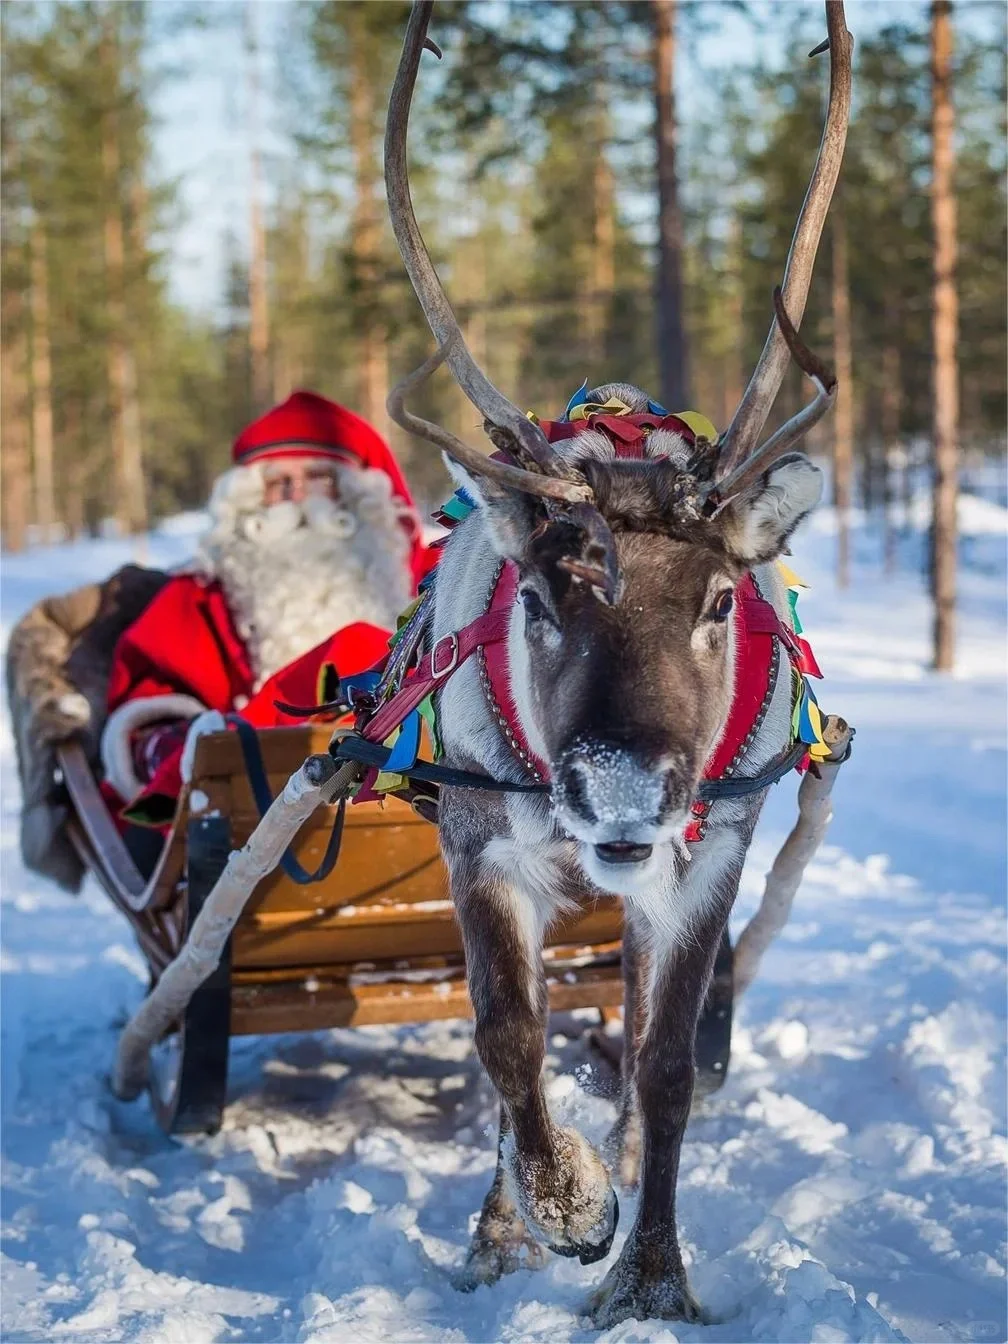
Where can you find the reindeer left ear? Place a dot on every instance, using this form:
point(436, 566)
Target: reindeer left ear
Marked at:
point(510, 514)
point(758, 524)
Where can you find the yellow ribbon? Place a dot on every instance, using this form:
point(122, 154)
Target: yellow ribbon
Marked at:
point(791, 579)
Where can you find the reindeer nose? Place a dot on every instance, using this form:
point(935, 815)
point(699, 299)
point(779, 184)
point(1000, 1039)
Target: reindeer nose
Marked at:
point(610, 786)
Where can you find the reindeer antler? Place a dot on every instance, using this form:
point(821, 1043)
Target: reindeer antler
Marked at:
point(551, 478)
point(530, 442)
point(479, 464)
point(738, 463)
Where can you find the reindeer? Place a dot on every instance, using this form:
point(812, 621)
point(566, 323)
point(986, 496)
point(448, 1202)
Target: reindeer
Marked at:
point(621, 655)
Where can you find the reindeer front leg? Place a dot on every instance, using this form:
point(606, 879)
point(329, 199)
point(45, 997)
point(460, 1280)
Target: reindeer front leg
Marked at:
point(648, 1280)
point(622, 1147)
point(550, 1180)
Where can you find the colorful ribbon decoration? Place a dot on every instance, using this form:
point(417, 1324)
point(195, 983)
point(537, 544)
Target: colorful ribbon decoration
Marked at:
point(806, 721)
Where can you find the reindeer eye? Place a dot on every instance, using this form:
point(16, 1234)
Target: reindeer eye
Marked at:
point(534, 609)
point(723, 604)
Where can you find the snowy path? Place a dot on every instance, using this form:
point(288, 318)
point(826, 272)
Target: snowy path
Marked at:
point(847, 1184)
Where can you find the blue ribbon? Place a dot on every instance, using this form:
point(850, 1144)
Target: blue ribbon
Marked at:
point(806, 732)
point(406, 746)
point(578, 399)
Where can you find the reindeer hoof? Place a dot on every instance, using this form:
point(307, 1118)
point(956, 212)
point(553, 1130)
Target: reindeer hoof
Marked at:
point(635, 1291)
point(590, 1253)
point(568, 1202)
point(489, 1261)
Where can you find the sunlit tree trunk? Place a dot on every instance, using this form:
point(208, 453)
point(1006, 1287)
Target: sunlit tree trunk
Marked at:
point(131, 508)
point(843, 412)
point(41, 378)
point(892, 400)
point(370, 336)
point(471, 270)
point(258, 290)
point(74, 480)
point(289, 278)
point(732, 381)
point(945, 319)
point(672, 372)
point(603, 259)
point(15, 447)
point(475, 288)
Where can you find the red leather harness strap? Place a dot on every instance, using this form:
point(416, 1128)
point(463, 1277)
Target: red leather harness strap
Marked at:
point(497, 681)
point(450, 652)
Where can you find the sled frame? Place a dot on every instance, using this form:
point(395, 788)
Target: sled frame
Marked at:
point(374, 943)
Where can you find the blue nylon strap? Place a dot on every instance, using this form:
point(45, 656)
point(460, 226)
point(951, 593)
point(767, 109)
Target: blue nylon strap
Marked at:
point(259, 783)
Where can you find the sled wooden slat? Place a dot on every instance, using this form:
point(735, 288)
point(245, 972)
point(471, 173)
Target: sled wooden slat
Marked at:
point(383, 860)
point(378, 932)
point(320, 1001)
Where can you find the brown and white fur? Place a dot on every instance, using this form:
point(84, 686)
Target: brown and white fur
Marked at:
point(625, 704)
point(295, 572)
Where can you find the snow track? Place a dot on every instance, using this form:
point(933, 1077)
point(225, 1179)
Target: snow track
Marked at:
point(848, 1183)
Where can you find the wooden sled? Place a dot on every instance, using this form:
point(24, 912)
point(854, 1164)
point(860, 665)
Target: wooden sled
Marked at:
point(374, 942)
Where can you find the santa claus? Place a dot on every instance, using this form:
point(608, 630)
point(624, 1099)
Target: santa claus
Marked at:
point(313, 531)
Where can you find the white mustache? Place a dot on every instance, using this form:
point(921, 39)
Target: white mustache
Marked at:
point(322, 516)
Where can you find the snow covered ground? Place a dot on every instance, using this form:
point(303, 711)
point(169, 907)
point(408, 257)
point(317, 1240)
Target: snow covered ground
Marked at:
point(848, 1183)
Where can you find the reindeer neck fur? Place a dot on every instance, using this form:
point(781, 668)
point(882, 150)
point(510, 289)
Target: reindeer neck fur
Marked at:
point(518, 841)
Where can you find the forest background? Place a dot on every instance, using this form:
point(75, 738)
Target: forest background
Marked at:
point(603, 201)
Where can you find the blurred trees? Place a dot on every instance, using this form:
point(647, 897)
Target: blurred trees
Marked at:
point(534, 163)
point(97, 356)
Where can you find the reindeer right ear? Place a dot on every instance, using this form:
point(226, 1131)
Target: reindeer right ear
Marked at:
point(757, 525)
point(511, 515)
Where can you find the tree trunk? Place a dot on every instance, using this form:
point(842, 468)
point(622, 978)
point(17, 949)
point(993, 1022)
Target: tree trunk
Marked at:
point(603, 265)
point(15, 457)
point(892, 400)
point(733, 380)
point(471, 270)
point(370, 335)
point(672, 373)
point(843, 413)
point(291, 280)
point(41, 378)
point(131, 508)
point(73, 480)
point(945, 317)
point(474, 260)
point(258, 295)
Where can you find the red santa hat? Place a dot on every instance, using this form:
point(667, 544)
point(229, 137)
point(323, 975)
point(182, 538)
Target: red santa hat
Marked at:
point(308, 423)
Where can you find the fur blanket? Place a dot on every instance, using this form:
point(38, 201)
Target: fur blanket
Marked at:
point(58, 662)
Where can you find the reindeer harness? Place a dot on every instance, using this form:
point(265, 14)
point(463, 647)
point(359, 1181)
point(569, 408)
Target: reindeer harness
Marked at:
point(394, 699)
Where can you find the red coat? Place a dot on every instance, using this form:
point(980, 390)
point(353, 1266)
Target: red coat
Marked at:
point(185, 642)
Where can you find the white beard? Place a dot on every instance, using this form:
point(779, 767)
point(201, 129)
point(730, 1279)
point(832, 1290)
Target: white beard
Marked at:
point(293, 574)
